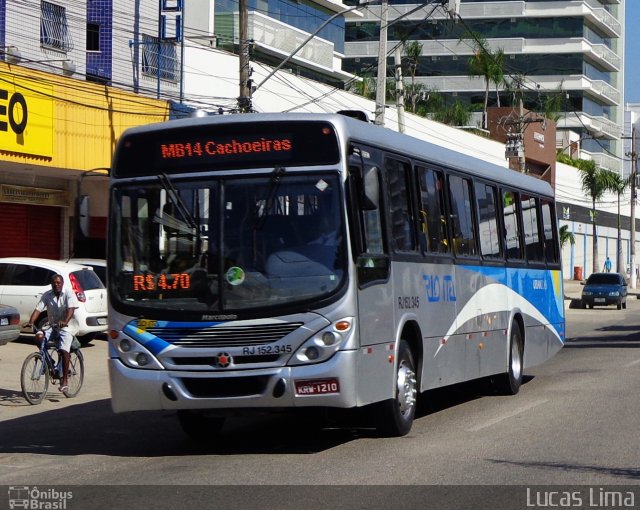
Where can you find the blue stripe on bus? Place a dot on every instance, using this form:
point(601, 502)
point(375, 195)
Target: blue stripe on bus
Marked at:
point(542, 288)
point(154, 344)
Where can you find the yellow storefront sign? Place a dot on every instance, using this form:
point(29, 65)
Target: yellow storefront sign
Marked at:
point(26, 117)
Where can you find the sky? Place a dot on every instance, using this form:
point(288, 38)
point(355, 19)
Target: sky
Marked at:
point(632, 52)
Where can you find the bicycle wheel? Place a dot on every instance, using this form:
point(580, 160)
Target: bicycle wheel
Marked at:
point(34, 378)
point(76, 373)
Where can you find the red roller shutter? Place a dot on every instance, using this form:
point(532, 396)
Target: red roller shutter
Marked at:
point(29, 231)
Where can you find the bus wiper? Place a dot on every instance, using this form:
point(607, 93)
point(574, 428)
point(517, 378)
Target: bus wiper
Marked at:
point(274, 183)
point(175, 197)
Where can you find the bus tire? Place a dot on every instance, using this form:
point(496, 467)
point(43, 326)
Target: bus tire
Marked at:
point(200, 426)
point(509, 383)
point(395, 416)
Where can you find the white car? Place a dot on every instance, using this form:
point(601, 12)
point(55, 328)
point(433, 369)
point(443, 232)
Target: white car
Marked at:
point(24, 279)
point(98, 265)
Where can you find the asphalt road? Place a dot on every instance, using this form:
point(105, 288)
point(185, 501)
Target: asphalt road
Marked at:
point(574, 422)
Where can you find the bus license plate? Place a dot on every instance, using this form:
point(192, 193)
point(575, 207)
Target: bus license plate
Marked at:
point(317, 386)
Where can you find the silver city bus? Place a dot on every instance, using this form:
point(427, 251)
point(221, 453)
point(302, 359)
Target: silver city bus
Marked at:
point(318, 261)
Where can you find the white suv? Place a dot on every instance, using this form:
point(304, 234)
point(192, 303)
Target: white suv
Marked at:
point(24, 279)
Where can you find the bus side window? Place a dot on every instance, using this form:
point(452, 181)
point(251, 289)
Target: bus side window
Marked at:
point(532, 238)
point(402, 224)
point(511, 225)
point(372, 260)
point(486, 198)
point(551, 249)
point(463, 231)
point(433, 219)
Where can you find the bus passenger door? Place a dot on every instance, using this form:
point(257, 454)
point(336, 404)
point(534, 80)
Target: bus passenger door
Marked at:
point(375, 293)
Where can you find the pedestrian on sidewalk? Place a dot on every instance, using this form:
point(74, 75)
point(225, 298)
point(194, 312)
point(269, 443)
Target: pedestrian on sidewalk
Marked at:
point(607, 265)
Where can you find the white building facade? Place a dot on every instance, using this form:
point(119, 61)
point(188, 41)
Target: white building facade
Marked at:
point(573, 46)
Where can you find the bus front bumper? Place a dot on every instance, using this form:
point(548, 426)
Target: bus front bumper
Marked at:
point(328, 384)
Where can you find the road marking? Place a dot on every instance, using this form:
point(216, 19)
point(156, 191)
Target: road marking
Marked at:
point(633, 363)
point(508, 415)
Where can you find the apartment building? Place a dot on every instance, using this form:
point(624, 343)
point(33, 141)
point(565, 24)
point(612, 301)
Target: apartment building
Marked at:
point(61, 116)
point(576, 46)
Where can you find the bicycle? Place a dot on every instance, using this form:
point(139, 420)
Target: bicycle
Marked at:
point(46, 364)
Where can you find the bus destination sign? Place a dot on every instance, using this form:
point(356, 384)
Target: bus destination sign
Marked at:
point(220, 146)
point(235, 146)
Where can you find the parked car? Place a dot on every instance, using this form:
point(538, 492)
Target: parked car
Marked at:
point(24, 279)
point(9, 324)
point(603, 289)
point(98, 265)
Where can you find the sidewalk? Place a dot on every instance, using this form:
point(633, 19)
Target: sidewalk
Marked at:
point(572, 289)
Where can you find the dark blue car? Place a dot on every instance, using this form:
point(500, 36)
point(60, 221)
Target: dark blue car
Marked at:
point(602, 289)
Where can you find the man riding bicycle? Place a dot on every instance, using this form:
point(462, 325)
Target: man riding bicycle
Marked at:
point(60, 304)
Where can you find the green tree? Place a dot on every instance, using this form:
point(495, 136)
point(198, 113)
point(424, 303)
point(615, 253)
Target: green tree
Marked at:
point(457, 114)
point(364, 86)
point(566, 236)
point(413, 52)
point(486, 64)
point(619, 185)
point(553, 104)
point(497, 72)
point(595, 183)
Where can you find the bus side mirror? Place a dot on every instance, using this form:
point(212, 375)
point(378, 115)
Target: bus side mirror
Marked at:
point(371, 191)
point(83, 215)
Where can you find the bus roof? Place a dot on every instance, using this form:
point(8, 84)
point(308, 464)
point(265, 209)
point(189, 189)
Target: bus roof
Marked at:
point(364, 132)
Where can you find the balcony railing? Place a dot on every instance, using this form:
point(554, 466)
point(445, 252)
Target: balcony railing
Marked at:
point(280, 38)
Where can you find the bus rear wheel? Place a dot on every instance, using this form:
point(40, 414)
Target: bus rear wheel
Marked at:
point(395, 416)
point(509, 383)
point(199, 425)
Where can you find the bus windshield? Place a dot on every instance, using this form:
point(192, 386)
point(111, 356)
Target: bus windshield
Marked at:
point(227, 245)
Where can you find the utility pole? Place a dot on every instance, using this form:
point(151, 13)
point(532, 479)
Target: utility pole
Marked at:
point(244, 99)
point(381, 82)
point(399, 89)
point(522, 164)
point(634, 174)
point(515, 147)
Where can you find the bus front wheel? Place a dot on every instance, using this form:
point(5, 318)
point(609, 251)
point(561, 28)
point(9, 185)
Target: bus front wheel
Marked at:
point(395, 416)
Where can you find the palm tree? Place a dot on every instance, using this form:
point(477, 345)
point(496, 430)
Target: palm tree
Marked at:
point(497, 72)
point(619, 186)
point(566, 236)
point(486, 64)
point(595, 182)
point(413, 50)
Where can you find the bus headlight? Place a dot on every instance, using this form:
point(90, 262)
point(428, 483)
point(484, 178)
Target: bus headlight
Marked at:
point(135, 355)
point(324, 344)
